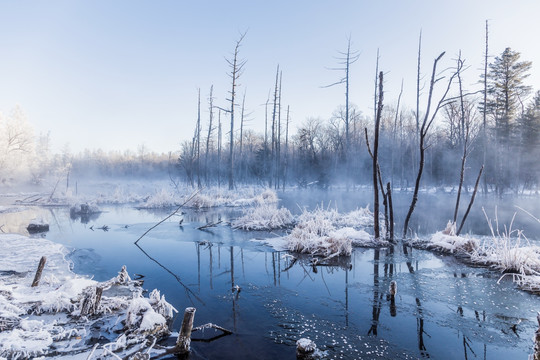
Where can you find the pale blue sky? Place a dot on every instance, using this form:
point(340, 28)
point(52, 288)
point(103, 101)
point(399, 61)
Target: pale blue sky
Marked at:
point(116, 74)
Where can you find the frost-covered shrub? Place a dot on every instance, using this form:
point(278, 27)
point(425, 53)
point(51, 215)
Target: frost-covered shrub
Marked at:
point(326, 232)
point(201, 201)
point(268, 196)
point(361, 217)
point(161, 199)
point(84, 209)
point(505, 251)
point(264, 217)
point(448, 241)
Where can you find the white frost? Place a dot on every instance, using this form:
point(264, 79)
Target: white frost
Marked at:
point(32, 319)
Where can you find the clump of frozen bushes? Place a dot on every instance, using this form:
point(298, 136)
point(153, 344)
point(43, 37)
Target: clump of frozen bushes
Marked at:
point(264, 217)
point(321, 232)
point(209, 198)
point(325, 232)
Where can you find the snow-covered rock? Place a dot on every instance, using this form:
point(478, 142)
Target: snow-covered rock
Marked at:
point(37, 226)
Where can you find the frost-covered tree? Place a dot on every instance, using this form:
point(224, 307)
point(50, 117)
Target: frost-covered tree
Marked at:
point(16, 145)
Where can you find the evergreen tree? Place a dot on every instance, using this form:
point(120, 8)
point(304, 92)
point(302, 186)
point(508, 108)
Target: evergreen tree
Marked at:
point(529, 125)
point(506, 93)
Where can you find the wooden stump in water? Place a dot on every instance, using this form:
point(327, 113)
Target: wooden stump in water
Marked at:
point(393, 292)
point(393, 288)
point(536, 355)
point(184, 338)
point(39, 271)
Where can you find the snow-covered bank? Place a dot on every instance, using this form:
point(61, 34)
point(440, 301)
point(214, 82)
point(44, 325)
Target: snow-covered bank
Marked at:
point(61, 315)
point(508, 251)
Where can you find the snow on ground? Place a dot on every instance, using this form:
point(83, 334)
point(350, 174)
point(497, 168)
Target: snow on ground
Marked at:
point(62, 314)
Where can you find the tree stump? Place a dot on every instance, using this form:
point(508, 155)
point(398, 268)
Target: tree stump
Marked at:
point(393, 288)
point(536, 355)
point(184, 338)
point(305, 348)
point(41, 265)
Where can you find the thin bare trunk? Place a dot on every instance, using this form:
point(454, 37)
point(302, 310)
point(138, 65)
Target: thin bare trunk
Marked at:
point(471, 202)
point(375, 160)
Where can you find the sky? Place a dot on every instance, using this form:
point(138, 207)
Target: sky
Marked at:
point(118, 74)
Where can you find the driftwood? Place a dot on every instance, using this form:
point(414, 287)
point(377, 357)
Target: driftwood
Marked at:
point(41, 265)
point(169, 216)
point(209, 225)
point(224, 332)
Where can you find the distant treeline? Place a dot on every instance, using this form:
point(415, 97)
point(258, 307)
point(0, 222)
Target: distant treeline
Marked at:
point(498, 127)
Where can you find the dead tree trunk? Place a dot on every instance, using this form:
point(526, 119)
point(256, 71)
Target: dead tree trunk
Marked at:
point(286, 157)
point(464, 137)
point(424, 130)
point(236, 66)
point(41, 265)
point(210, 129)
point(273, 146)
point(391, 212)
point(375, 160)
point(184, 338)
point(199, 185)
point(219, 149)
point(471, 202)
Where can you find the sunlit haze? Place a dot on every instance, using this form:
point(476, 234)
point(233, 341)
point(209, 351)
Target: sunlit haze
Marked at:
point(118, 74)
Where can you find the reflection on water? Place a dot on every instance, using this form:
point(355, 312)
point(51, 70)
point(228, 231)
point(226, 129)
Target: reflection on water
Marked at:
point(442, 309)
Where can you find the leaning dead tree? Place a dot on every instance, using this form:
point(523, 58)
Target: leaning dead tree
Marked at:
point(236, 65)
point(427, 122)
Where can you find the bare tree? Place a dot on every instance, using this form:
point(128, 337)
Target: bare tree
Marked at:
point(346, 59)
point(237, 67)
point(424, 130)
point(273, 145)
point(376, 160)
point(198, 135)
point(286, 157)
point(210, 130)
